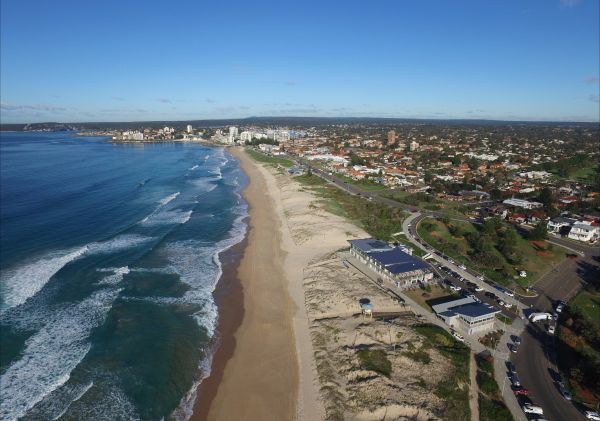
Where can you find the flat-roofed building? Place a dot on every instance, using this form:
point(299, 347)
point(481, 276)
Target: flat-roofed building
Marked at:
point(467, 314)
point(393, 264)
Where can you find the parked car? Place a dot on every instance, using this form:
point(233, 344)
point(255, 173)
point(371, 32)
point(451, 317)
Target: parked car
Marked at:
point(591, 415)
point(555, 316)
point(478, 288)
point(511, 367)
point(481, 278)
point(458, 336)
point(463, 267)
point(565, 393)
point(517, 340)
point(560, 307)
point(551, 329)
point(514, 379)
point(533, 409)
point(521, 391)
point(451, 261)
point(455, 288)
point(509, 293)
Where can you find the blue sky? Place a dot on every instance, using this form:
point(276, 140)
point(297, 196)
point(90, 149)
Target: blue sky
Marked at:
point(76, 61)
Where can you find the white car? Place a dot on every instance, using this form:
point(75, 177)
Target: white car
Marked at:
point(560, 308)
point(591, 415)
point(458, 336)
point(551, 329)
point(509, 293)
point(463, 267)
point(455, 288)
point(481, 278)
point(501, 303)
point(532, 409)
point(451, 261)
point(478, 289)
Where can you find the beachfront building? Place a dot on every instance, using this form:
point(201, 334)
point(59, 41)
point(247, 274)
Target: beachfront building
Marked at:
point(467, 315)
point(189, 128)
point(233, 134)
point(392, 264)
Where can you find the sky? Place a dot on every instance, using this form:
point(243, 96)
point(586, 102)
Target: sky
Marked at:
point(93, 60)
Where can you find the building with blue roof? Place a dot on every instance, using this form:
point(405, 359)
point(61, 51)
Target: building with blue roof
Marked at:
point(395, 264)
point(467, 314)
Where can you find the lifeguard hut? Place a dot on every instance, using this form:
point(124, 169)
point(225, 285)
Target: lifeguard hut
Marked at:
point(366, 308)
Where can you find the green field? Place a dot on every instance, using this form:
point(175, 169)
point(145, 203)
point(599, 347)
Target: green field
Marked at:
point(273, 160)
point(588, 303)
point(535, 260)
point(426, 201)
point(364, 184)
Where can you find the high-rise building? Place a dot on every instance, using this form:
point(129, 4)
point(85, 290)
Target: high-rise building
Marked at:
point(189, 128)
point(233, 134)
point(391, 137)
point(246, 136)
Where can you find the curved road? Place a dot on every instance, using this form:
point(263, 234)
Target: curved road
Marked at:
point(535, 360)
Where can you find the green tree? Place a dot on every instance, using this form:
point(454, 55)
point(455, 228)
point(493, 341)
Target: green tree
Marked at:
point(539, 232)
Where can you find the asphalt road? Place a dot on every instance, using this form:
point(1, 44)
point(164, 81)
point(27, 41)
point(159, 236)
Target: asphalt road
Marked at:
point(535, 359)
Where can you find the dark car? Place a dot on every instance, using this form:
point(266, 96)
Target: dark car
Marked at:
point(511, 367)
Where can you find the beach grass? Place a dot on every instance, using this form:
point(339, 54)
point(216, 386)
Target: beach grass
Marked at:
point(454, 388)
point(375, 360)
point(491, 405)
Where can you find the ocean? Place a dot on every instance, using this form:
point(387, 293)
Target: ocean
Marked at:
point(108, 261)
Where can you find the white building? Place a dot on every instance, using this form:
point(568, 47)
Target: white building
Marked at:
point(467, 314)
point(520, 203)
point(414, 146)
point(246, 136)
point(233, 134)
point(584, 231)
point(189, 128)
point(556, 224)
point(281, 136)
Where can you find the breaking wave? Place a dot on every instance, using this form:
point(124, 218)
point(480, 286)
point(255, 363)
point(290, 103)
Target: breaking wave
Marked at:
point(26, 280)
point(169, 198)
point(51, 354)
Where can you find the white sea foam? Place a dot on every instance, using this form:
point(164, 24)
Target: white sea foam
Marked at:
point(116, 276)
point(57, 403)
point(169, 198)
point(110, 403)
point(195, 167)
point(51, 354)
point(26, 280)
point(167, 217)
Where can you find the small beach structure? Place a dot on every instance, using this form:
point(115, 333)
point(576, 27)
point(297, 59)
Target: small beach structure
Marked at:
point(366, 308)
point(393, 264)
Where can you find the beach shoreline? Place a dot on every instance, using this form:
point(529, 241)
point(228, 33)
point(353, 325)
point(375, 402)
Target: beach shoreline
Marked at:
point(255, 370)
point(229, 299)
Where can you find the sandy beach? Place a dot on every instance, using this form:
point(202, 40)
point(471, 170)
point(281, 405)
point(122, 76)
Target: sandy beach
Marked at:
point(300, 309)
point(260, 379)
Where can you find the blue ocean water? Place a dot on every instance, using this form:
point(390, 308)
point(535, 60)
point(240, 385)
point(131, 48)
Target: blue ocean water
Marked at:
point(109, 257)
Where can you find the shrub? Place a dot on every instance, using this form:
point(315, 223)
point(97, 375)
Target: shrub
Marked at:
point(375, 360)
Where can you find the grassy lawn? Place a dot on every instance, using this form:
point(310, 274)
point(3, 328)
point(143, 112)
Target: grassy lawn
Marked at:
point(536, 258)
point(375, 360)
point(425, 201)
point(454, 388)
point(362, 184)
point(273, 160)
point(422, 296)
point(588, 303)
